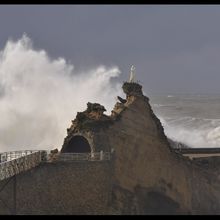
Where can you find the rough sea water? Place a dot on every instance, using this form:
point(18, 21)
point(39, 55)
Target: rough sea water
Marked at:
point(39, 95)
point(191, 119)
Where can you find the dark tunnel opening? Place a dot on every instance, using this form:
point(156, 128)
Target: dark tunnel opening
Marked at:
point(77, 144)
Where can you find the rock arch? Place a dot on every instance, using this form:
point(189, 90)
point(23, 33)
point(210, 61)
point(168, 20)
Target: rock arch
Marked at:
point(77, 144)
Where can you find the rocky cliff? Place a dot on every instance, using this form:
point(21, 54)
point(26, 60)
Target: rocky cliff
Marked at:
point(144, 176)
point(149, 176)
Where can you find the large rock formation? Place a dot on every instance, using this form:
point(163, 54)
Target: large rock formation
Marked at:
point(149, 177)
point(144, 176)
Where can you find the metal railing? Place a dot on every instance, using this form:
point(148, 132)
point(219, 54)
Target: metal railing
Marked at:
point(97, 156)
point(12, 163)
point(15, 162)
point(11, 155)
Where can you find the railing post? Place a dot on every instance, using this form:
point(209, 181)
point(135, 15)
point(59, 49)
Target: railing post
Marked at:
point(92, 155)
point(101, 155)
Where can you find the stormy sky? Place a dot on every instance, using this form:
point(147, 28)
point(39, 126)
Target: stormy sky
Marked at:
point(176, 49)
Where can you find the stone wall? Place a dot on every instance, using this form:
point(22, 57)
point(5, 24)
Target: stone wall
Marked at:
point(61, 188)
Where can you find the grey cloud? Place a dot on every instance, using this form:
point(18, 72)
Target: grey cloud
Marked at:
point(175, 48)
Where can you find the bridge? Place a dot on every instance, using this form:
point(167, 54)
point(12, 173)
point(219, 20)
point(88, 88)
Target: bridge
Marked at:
point(15, 162)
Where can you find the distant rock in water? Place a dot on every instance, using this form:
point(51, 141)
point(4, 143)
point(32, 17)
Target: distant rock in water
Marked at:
point(176, 144)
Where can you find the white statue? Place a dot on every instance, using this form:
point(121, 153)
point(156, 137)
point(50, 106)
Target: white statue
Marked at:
point(132, 74)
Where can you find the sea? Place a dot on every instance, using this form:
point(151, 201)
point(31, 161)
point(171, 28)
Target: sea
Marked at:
point(192, 119)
